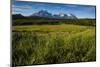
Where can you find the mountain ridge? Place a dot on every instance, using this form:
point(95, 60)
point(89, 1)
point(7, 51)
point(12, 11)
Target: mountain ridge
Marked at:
point(44, 13)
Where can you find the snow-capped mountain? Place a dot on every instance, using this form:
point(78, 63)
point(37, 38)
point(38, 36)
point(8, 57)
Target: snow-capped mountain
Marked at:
point(44, 13)
point(60, 16)
point(72, 16)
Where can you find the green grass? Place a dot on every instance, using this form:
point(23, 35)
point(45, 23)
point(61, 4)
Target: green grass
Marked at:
point(51, 28)
point(44, 44)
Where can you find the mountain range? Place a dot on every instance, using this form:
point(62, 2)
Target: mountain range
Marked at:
point(44, 13)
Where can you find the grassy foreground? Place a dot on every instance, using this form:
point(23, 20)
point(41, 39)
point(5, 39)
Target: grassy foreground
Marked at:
point(45, 44)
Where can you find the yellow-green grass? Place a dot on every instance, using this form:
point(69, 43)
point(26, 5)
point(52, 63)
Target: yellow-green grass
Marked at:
point(48, 28)
point(44, 44)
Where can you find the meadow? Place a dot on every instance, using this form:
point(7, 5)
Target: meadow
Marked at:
point(51, 44)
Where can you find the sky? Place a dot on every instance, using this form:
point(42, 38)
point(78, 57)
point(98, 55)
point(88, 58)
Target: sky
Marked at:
point(28, 8)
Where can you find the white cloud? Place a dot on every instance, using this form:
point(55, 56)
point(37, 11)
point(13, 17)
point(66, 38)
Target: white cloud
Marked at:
point(22, 7)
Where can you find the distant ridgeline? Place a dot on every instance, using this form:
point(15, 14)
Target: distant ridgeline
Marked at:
point(44, 17)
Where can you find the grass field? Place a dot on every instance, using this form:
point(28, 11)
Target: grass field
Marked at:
point(52, 28)
point(45, 44)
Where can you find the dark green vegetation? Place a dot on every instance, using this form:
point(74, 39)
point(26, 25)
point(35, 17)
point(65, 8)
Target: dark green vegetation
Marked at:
point(20, 20)
point(63, 42)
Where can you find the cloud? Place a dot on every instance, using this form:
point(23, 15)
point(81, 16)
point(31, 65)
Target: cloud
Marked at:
point(22, 7)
